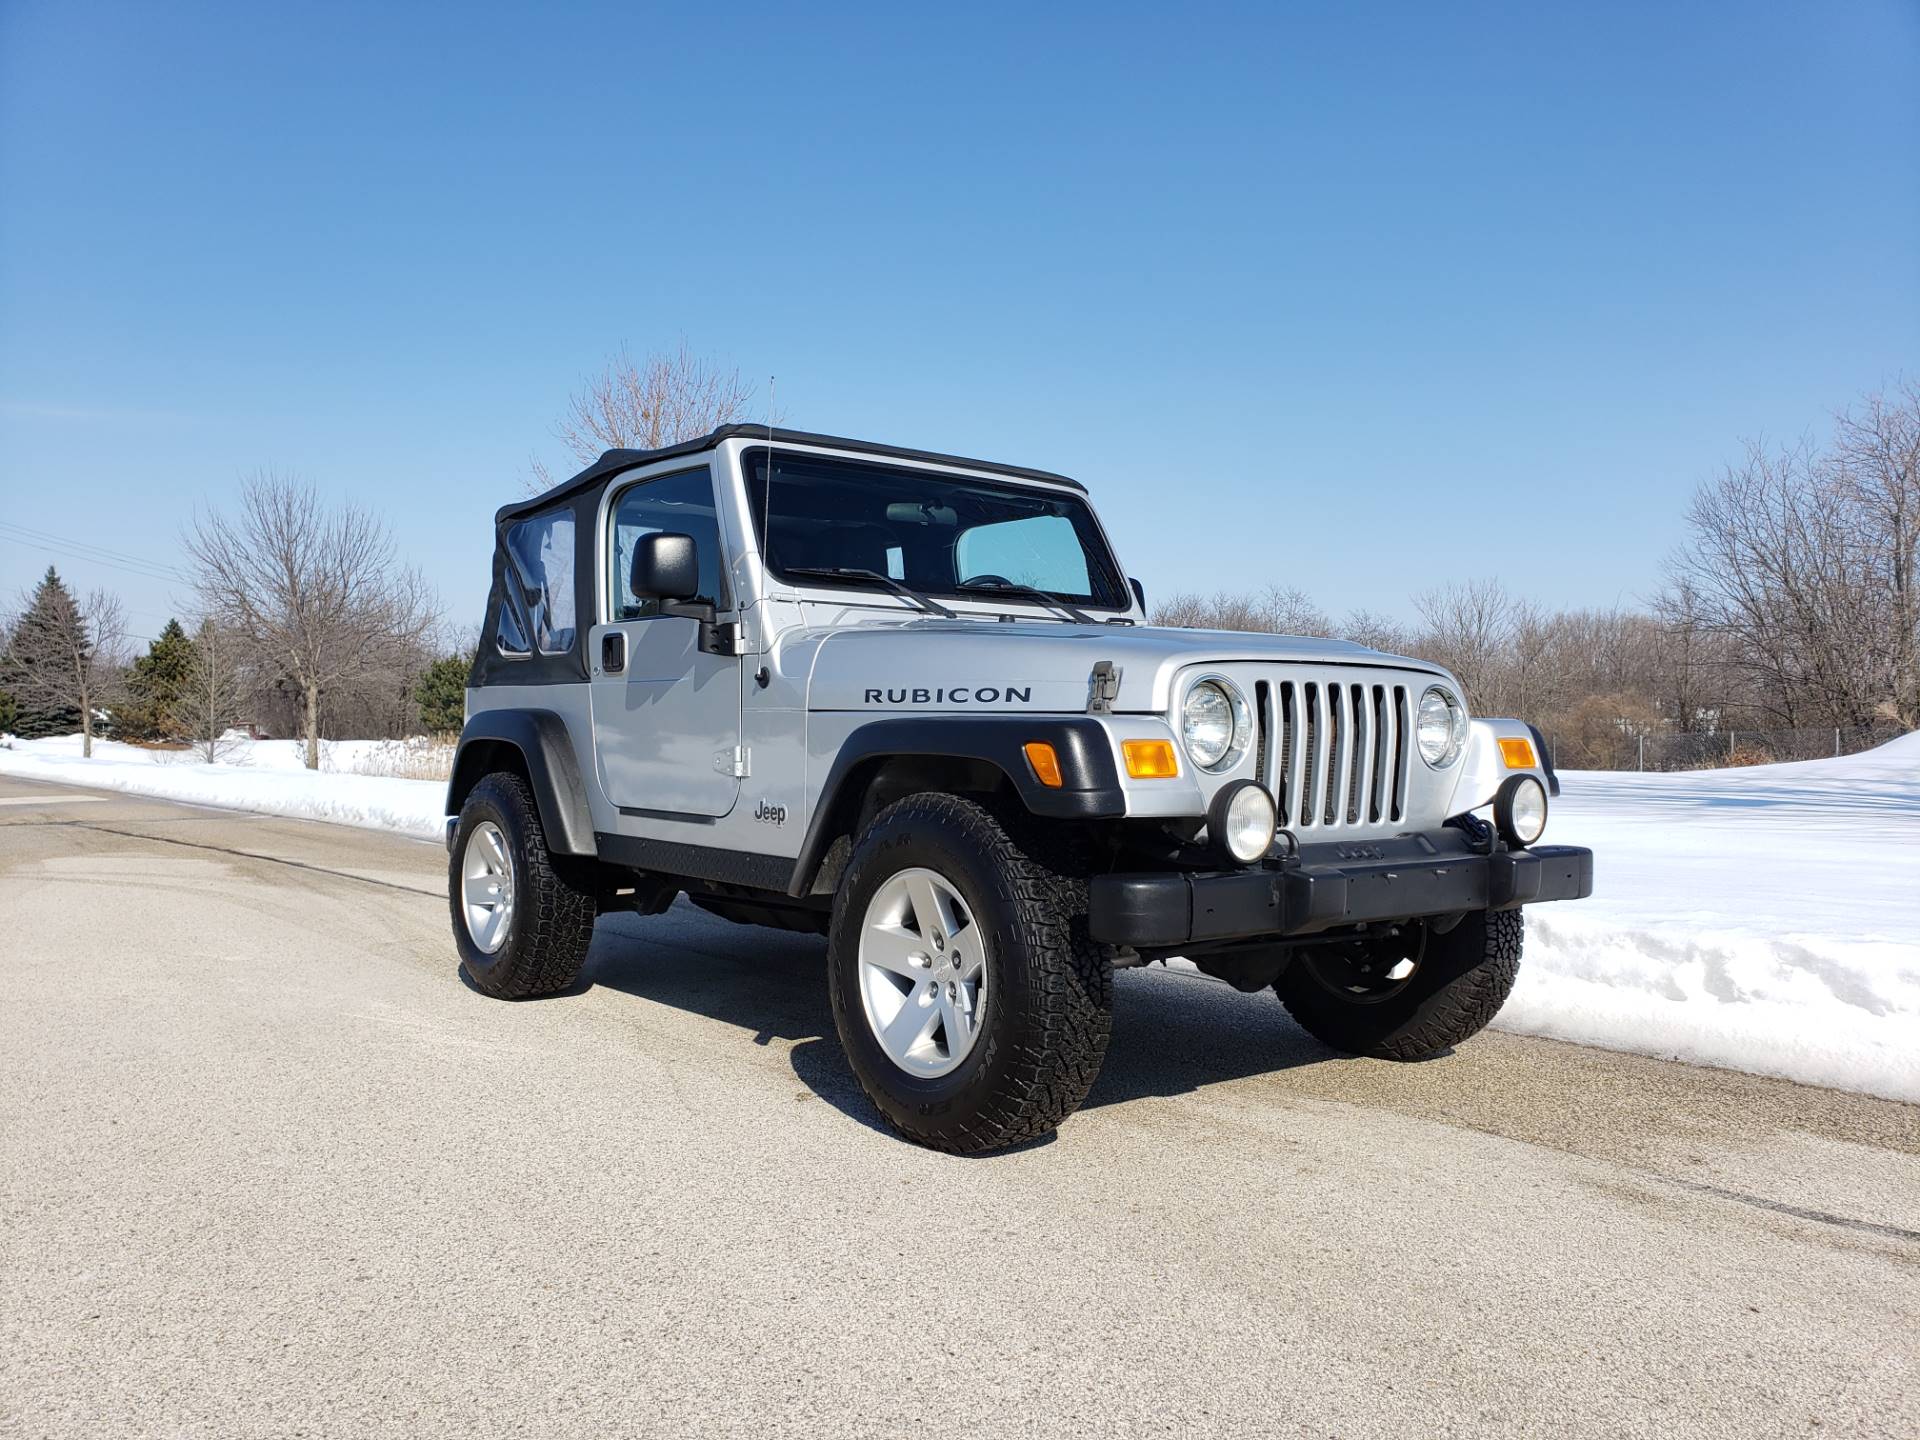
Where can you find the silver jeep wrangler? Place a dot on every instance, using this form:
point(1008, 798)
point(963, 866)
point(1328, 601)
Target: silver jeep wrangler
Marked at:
point(911, 702)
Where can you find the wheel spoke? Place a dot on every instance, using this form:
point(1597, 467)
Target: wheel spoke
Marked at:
point(931, 912)
point(496, 851)
point(895, 950)
point(482, 890)
point(910, 1025)
point(954, 1014)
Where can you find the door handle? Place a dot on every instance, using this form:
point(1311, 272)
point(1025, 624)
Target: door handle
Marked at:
point(613, 652)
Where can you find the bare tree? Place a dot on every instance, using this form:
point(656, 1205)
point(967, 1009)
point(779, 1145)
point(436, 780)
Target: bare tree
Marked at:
point(1276, 610)
point(1778, 565)
point(1691, 680)
point(1469, 629)
point(1377, 632)
point(213, 697)
point(64, 656)
point(668, 397)
point(1876, 464)
point(317, 594)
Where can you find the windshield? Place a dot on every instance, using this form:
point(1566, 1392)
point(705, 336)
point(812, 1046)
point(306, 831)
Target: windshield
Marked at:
point(941, 534)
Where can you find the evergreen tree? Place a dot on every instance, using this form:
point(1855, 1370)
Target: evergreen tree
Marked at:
point(33, 665)
point(9, 714)
point(441, 694)
point(156, 686)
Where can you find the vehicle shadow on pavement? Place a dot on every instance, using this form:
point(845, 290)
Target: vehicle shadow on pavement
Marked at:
point(1174, 1032)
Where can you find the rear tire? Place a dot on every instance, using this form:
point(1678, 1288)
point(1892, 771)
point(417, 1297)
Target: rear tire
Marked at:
point(522, 922)
point(1041, 1015)
point(1460, 983)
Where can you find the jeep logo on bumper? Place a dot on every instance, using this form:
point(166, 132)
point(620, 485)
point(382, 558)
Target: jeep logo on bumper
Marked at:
point(959, 695)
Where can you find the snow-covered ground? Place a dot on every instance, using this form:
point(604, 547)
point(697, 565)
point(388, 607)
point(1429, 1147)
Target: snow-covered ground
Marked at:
point(1764, 919)
point(357, 783)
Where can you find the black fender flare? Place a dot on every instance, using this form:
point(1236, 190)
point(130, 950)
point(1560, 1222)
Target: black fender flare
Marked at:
point(546, 753)
point(1089, 788)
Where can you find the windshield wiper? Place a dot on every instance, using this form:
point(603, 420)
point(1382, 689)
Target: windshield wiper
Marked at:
point(848, 572)
point(1032, 592)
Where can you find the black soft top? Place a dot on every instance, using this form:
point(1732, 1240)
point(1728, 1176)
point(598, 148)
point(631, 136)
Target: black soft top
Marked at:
point(615, 461)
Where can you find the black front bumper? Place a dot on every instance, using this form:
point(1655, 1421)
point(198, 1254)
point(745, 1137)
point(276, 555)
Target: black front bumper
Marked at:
point(1330, 886)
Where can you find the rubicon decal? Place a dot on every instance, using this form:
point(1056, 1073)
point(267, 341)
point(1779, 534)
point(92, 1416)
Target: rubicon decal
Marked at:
point(959, 695)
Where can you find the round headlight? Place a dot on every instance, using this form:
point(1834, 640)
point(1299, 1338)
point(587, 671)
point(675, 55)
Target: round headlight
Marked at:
point(1241, 821)
point(1440, 728)
point(1520, 810)
point(1215, 723)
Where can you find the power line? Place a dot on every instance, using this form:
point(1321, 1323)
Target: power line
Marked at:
point(102, 551)
point(146, 571)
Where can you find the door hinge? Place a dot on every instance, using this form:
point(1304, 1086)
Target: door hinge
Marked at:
point(733, 762)
point(1103, 688)
point(720, 637)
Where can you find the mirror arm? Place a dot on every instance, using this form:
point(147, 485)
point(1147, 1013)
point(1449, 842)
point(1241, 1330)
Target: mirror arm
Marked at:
point(701, 610)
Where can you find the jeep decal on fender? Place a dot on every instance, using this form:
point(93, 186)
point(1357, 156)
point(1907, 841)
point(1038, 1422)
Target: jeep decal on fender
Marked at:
point(961, 695)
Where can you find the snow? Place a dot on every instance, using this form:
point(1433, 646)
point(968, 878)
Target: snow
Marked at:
point(1763, 919)
point(266, 776)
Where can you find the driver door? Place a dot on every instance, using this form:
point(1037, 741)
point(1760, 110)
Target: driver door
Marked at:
point(666, 715)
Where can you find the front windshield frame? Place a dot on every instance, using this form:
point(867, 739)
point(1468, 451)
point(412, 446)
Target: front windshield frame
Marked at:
point(1112, 593)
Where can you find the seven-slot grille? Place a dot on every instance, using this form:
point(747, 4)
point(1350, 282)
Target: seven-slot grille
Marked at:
point(1333, 751)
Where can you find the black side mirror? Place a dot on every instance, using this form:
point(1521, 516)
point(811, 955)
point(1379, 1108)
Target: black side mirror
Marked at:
point(1139, 593)
point(666, 566)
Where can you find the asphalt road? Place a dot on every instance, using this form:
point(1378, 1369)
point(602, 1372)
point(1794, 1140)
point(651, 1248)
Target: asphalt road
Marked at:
point(267, 1167)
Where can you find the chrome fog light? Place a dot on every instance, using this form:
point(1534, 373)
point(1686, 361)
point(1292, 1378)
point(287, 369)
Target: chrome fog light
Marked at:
point(1520, 811)
point(1241, 821)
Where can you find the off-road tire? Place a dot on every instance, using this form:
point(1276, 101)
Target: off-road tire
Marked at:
point(1050, 987)
point(1464, 978)
point(553, 913)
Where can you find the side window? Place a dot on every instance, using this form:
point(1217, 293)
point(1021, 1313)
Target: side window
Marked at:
point(542, 552)
point(682, 503)
point(1039, 550)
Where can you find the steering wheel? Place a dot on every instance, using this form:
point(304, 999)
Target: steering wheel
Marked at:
point(986, 582)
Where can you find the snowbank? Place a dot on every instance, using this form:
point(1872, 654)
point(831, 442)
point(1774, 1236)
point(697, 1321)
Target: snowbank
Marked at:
point(1764, 919)
point(268, 776)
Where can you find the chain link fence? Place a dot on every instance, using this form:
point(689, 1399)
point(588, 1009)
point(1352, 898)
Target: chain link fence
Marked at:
point(1720, 748)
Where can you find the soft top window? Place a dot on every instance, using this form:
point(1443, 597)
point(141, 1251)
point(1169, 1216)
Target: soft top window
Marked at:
point(942, 534)
point(542, 553)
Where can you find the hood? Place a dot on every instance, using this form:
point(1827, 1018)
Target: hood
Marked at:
point(936, 664)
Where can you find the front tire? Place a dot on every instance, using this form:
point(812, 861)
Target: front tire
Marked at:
point(522, 923)
point(972, 1006)
point(1344, 998)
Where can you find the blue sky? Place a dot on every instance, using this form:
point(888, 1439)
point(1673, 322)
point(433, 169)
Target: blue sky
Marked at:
point(1354, 298)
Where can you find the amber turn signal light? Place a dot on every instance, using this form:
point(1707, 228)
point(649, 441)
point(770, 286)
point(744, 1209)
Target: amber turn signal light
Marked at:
point(1150, 759)
point(1046, 764)
point(1518, 754)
